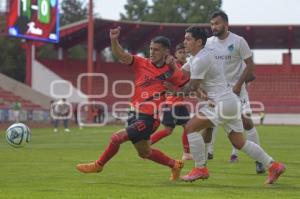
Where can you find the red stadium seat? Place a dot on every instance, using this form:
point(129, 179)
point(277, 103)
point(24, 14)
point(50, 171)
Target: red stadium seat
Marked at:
point(277, 87)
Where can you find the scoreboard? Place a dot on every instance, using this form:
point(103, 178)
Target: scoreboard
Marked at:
point(34, 19)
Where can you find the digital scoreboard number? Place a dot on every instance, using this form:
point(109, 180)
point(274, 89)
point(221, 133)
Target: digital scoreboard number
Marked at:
point(43, 10)
point(34, 19)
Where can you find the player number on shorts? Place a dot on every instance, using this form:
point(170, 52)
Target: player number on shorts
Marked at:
point(140, 126)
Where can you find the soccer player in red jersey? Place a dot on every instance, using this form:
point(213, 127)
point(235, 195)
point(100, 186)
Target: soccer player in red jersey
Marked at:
point(174, 111)
point(150, 75)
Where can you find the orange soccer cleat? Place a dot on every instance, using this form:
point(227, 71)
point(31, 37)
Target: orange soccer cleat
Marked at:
point(92, 167)
point(175, 172)
point(275, 171)
point(195, 174)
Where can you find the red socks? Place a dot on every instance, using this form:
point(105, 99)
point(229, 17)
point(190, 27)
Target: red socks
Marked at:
point(159, 135)
point(165, 132)
point(116, 140)
point(185, 142)
point(160, 158)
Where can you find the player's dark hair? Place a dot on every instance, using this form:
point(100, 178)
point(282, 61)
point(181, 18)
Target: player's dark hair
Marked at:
point(220, 13)
point(164, 41)
point(198, 33)
point(179, 46)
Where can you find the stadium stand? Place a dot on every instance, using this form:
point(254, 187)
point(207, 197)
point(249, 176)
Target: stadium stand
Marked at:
point(114, 72)
point(7, 98)
point(276, 86)
point(34, 104)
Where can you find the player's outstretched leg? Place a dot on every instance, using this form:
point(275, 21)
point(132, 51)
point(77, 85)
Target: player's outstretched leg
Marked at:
point(113, 147)
point(257, 153)
point(159, 157)
point(155, 137)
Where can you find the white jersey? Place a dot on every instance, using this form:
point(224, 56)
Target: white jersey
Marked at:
point(203, 66)
point(230, 54)
point(226, 110)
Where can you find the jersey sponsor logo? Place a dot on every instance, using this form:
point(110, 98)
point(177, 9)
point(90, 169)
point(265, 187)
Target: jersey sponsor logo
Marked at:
point(231, 47)
point(223, 57)
point(150, 80)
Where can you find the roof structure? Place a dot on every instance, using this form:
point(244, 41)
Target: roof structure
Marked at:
point(137, 35)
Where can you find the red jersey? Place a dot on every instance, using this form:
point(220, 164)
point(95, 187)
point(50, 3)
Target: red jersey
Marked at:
point(149, 90)
point(170, 100)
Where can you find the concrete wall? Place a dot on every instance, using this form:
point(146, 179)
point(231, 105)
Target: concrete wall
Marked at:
point(52, 85)
point(24, 91)
point(278, 119)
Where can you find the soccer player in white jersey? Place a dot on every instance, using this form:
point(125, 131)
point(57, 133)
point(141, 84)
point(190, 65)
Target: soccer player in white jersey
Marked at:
point(207, 77)
point(233, 53)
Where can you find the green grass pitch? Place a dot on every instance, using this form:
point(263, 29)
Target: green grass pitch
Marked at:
point(45, 168)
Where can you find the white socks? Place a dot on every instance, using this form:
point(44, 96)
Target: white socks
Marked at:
point(252, 136)
point(210, 146)
point(257, 153)
point(197, 148)
point(234, 151)
point(206, 150)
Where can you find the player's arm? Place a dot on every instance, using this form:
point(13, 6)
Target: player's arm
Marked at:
point(117, 49)
point(191, 87)
point(246, 55)
point(194, 87)
point(248, 71)
point(250, 78)
point(179, 77)
point(186, 72)
point(171, 61)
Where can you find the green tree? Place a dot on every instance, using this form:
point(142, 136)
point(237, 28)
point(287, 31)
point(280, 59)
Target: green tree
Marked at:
point(136, 10)
point(72, 11)
point(12, 58)
point(172, 11)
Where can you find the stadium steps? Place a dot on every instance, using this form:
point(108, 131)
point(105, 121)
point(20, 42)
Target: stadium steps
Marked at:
point(7, 98)
point(12, 90)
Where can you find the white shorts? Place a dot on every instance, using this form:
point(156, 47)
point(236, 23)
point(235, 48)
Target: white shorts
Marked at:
point(227, 111)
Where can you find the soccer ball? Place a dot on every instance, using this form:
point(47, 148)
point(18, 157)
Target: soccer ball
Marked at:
point(17, 135)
